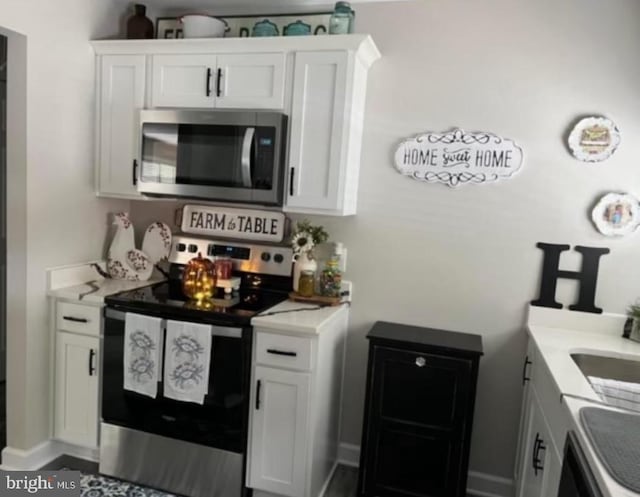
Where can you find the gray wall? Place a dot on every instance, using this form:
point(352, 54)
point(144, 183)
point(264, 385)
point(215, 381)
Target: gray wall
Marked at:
point(54, 216)
point(466, 259)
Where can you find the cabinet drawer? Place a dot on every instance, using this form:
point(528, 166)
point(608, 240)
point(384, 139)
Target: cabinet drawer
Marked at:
point(78, 317)
point(284, 351)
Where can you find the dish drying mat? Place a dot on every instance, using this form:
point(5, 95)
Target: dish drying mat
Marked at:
point(615, 436)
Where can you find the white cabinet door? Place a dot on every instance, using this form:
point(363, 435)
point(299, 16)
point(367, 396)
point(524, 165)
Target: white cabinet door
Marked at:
point(536, 460)
point(121, 97)
point(317, 162)
point(251, 81)
point(527, 375)
point(76, 389)
point(183, 80)
point(279, 431)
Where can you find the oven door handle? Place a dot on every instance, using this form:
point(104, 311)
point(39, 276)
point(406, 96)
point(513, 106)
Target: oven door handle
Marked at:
point(245, 160)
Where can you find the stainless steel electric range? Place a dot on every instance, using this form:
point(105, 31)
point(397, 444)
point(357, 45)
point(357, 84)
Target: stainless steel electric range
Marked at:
point(182, 447)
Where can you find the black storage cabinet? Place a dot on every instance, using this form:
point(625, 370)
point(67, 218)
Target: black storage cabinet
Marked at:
point(421, 388)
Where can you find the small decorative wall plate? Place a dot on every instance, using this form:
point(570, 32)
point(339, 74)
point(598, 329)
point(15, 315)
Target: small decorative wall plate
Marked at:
point(457, 157)
point(594, 139)
point(616, 214)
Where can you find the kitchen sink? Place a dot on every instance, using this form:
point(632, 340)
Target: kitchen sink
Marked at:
point(615, 380)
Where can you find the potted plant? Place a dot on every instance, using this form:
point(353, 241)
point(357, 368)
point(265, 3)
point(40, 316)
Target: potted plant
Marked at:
point(303, 240)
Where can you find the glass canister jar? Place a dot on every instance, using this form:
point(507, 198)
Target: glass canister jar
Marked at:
point(307, 283)
point(341, 22)
point(331, 278)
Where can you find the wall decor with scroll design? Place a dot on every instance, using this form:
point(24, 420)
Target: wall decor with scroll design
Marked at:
point(457, 157)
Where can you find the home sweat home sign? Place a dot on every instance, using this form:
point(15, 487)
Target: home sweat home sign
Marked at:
point(457, 157)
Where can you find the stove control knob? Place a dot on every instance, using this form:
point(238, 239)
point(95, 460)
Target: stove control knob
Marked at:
point(278, 258)
point(193, 248)
point(266, 256)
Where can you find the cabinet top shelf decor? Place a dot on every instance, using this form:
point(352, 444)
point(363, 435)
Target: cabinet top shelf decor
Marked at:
point(361, 44)
point(465, 343)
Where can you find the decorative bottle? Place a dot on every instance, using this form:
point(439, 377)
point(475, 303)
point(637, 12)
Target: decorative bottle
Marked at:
point(331, 276)
point(139, 26)
point(341, 22)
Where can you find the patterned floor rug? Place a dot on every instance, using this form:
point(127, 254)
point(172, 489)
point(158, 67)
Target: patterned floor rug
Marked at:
point(102, 486)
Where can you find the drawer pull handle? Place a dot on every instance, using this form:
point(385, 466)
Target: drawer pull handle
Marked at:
point(258, 388)
point(75, 320)
point(538, 445)
point(282, 352)
point(92, 368)
point(420, 362)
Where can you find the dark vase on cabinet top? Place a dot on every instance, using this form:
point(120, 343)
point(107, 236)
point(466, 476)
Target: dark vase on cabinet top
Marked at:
point(421, 386)
point(139, 26)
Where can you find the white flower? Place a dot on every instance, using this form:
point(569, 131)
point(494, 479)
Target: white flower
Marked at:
point(302, 242)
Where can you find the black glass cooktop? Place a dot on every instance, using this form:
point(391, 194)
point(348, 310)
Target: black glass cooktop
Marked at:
point(167, 300)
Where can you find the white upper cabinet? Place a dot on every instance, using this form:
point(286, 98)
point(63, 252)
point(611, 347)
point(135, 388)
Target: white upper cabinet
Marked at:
point(182, 80)
point(121, 90)
point(252, 81)
point(230, 81)
point(327, 116)
point(318, 81)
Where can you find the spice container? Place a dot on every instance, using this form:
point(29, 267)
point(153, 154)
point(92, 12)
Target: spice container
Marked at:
point(306, 283)
point(341, 22)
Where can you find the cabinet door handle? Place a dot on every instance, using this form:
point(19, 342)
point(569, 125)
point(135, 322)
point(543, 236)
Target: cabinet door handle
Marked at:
point(92, 368)
point(293, 170)
point(258, 387)
point(538, 445)
point(420, 362)
point(208, 83)
point(219, 83)
point(75, 320)
point(525, 378)
point(281, 352)
point(135, 172)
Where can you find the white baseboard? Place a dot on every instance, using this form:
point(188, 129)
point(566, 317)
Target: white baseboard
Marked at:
point(349, 454)
point(478, 484)
point(42, 454)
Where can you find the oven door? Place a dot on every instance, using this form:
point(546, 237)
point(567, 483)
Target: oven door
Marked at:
point(214, 155)
point(576, 479)
point(221, 422)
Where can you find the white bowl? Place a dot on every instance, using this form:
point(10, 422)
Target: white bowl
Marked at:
point(202, 26)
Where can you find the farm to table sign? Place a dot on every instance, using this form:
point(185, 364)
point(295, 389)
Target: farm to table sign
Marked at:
point(456, 158)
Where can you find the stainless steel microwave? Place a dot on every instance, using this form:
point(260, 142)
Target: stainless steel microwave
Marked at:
point(230, 156)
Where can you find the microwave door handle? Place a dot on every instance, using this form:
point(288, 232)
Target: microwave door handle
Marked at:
point(245, 161)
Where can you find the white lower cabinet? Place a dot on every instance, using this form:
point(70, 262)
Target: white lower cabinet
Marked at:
point(295, 409)
point(76, 388)
point(542, 435)
point(279, 431)
point(537, 448)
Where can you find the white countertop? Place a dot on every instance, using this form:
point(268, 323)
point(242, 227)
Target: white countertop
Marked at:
point(296, 317)
point(558, 334)
point(82, 282)
point(96, 291)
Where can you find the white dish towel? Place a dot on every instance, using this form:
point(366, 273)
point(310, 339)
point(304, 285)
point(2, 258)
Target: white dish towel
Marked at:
point(186, 361)
point(142, 353)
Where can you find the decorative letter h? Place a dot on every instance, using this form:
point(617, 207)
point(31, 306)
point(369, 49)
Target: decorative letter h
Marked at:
point(587, 277)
